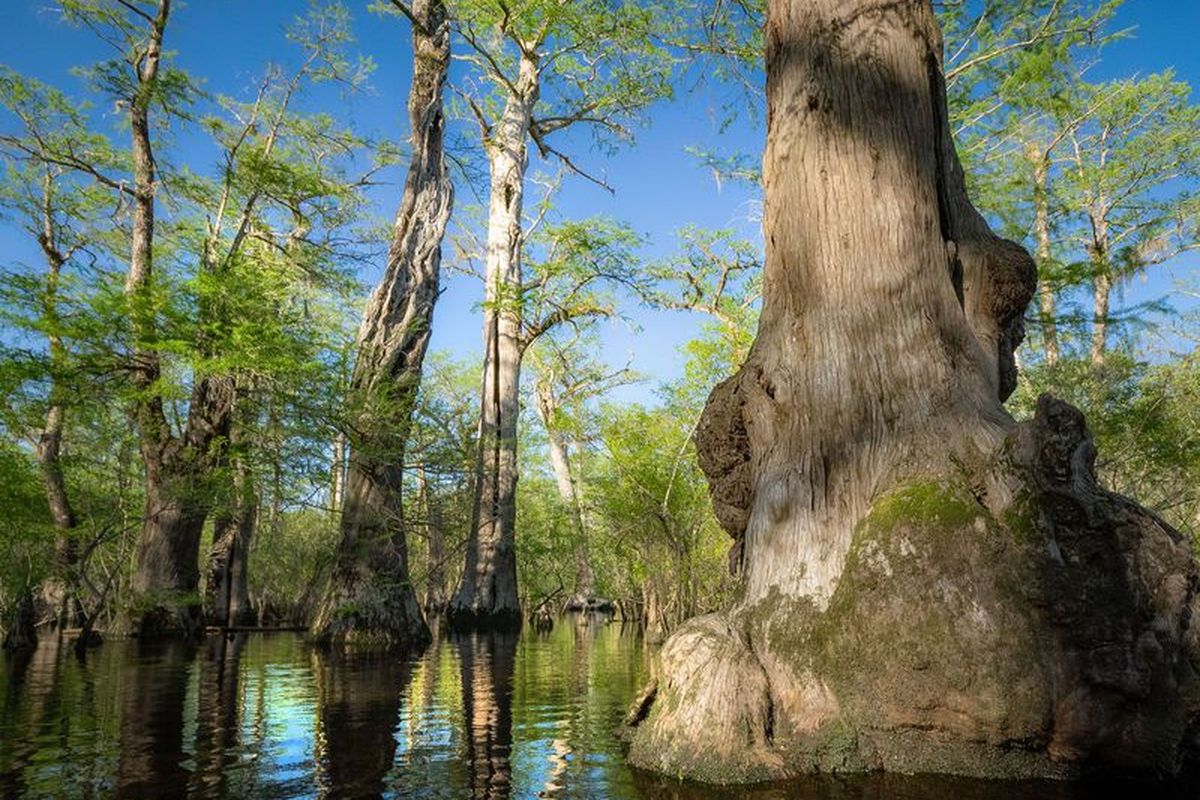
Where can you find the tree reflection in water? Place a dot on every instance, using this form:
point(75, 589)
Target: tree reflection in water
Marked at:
point(153, 687)
point(359, 701)
point(217, 742)
point(487, 661)
point(478, 716)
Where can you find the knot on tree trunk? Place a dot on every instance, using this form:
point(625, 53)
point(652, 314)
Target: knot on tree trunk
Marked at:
point(1001, 278)
point(723, 450)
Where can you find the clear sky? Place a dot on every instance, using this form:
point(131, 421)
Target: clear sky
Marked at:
point(659, 187)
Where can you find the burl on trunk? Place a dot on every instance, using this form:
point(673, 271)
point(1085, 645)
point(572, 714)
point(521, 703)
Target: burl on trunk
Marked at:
point(927, 585)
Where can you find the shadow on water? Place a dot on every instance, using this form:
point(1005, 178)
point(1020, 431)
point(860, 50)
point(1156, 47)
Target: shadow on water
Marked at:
point(478, 716)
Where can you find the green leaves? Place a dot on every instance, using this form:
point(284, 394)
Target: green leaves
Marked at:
point(598, 63)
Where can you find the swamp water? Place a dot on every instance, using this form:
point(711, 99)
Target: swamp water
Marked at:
point(267, 716)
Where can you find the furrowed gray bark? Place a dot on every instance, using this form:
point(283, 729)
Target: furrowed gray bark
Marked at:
point(337, 489)
point(370, 597)
point(486, 595)
point(927, 586)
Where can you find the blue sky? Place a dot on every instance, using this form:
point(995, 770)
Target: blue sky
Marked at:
point(659, 188)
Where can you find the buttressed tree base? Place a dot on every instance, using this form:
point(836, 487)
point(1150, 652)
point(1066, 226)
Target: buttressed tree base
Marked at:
point(927, 586)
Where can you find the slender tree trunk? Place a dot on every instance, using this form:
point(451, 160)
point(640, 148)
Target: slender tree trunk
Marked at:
point(436, 594)
point(370, 596)
point(487, 592)
point(49, 445)
point(927, 585)
point(568, 492)
point(1101, 290)
point(1041, 228)
point(337, 491)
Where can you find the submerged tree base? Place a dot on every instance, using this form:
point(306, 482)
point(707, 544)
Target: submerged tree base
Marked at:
point(465, 620)
point(1013, 620)
point(361, 610)
point(165, 615)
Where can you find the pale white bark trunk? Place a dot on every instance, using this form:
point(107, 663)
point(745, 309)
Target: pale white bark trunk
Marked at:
point(487, 591)
point(568, 492)
point(337, 490)
point(1101, 292)
point(1041, 227)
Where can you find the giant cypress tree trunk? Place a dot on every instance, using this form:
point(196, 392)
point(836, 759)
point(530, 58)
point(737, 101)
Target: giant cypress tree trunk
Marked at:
point(927, 586)
point(487, 592)
point(370, 597)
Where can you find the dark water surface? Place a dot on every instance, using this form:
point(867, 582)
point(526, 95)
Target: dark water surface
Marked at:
point(267, 716)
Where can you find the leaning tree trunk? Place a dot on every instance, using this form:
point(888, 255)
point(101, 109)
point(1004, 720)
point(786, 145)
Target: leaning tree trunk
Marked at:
point(370, 597)
point(568, 492)
point(927, 585)
point(487, 591)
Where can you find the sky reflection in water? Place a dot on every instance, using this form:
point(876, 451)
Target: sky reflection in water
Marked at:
point(266, 716)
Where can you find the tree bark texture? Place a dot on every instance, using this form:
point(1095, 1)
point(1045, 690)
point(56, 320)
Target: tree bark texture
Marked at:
point(227, 590)
point(337, 489)
point(486, 595)
point(1101, 292)
point(370, 597)
point(927, 587)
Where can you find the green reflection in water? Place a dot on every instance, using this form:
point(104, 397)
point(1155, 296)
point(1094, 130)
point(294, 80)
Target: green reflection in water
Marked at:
point(266, 716)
